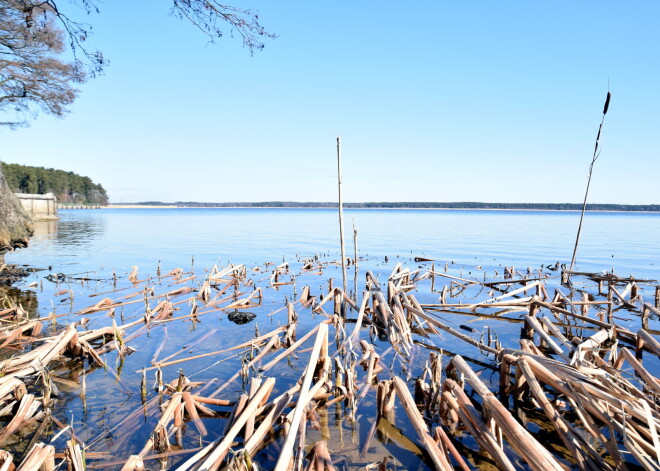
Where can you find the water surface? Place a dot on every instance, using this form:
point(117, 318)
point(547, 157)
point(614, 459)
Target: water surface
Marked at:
point(119, 238)
point(96, 249)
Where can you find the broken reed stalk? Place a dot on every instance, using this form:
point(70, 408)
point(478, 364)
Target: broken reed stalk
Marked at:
point(537, 457)
point(341, 216)
point(319, 351)
point(355, 245)
point(222, 448)
point(587, 459)
point(439, 458)
point(592, 386)
point(454, 396)
point(591, 168)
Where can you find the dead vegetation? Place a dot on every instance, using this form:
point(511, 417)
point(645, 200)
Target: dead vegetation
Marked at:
point(557, 378)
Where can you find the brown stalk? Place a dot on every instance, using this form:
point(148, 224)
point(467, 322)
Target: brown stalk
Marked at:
point(536, 456)
point(439, 458)
point(294, 346)
point(468, 415)
point(73, 456)
point(220, 450)
point(320, 350)
point(585, 456)
point(40, 456)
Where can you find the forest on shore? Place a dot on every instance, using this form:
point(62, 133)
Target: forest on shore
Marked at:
point(68, 187)
point(415, 205)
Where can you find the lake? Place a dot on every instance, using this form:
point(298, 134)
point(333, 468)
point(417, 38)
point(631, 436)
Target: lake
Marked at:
point(87, 256)
point(103, 240)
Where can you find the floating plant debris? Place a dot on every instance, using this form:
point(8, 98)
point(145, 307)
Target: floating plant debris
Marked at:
point(538, 370)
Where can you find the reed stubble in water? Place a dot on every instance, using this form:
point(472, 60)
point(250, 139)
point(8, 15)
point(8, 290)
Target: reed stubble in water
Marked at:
point(449, 407)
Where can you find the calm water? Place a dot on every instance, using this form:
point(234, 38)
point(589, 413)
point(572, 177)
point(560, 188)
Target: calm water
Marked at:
point(103, 240)
point(471, 243)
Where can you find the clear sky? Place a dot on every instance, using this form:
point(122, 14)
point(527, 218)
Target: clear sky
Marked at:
point(434, 101)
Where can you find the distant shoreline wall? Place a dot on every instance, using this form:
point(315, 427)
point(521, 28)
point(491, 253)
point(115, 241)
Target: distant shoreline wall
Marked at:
point(39, 207)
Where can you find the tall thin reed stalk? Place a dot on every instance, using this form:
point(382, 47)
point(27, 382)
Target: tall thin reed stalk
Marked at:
point(341, 216)
point(591, 168)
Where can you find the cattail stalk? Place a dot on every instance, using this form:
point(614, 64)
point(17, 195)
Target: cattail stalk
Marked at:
point(341, 216)
point(591, 168)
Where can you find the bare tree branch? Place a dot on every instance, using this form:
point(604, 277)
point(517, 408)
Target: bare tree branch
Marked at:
point(212, 18)
point(33, 77)
point(36, 36)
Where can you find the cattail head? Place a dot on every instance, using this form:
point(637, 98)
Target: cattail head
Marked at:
point(607, 103)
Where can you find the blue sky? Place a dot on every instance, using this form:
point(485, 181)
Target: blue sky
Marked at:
point(433, 100)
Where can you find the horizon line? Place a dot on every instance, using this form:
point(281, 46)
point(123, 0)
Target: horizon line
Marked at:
point(451, 204)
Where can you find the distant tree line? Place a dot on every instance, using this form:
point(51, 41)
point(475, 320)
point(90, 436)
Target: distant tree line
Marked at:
point(417, 205)
point(68, 187)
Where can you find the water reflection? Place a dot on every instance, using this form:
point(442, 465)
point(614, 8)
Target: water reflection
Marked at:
point(76, 236)
point(27, 299)
point(69, 230)
point(45, 230)
point(79, 231)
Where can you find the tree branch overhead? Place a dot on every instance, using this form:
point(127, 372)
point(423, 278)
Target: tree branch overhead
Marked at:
point(44, 51)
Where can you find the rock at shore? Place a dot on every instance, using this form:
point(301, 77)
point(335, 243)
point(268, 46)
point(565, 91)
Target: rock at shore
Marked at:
point(15, 224)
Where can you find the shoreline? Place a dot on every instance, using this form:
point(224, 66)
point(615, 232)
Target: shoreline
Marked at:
point(144, 206)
